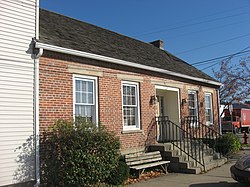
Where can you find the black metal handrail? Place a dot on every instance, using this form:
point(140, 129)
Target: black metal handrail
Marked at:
point(207, 134)
point(185, 141)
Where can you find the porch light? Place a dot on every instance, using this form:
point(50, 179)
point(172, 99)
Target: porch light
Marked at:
point(153, 100)
point(183, 102)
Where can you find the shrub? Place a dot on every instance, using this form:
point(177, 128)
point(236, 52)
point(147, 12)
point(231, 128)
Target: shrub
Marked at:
point(208, 141)
point(77, 154)
point(120, 174)
point(228, 144)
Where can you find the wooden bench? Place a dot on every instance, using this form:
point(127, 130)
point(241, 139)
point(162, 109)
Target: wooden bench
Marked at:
point(141, 161)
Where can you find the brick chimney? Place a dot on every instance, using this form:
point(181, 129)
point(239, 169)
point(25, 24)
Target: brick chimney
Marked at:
point(158, 43)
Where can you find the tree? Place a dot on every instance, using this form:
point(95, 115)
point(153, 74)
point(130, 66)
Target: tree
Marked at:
point(235, 79)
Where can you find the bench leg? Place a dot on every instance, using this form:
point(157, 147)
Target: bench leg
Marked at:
point(140, 172)
point(165, 168)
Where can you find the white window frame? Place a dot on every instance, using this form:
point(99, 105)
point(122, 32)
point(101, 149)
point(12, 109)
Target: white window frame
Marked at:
point(95, 99)
point(137, 125)
point(211, 108)
point(195, 103)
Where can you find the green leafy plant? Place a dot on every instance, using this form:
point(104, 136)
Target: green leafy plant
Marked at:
point(120, 174)
point(77, 153)
point(228, 144)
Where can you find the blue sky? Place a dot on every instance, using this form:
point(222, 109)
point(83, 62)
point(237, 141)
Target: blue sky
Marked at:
point(193, 30)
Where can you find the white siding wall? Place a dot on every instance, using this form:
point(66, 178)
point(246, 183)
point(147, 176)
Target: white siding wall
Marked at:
point(17, 28)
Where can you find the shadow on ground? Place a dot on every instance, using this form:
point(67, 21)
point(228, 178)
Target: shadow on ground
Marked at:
point(218, 184)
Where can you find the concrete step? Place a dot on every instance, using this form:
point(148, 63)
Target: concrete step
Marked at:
point(192, 170)
point(171, 153)
point(215, 163)
point(180, 162)
point(161, 147)
point(175, 167)
point(176, 159)
point(186, 164)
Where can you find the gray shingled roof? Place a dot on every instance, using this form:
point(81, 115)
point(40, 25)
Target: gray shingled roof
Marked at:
point(62, 31)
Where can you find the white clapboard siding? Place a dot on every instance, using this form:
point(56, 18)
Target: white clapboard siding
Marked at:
point(17, 28)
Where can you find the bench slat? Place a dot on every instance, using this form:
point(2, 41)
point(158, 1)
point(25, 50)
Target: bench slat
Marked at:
point(150, 165)
point(142, 154)
point(145, 157)
point(143, 161)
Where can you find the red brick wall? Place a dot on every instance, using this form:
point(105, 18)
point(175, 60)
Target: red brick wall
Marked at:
point(56, 98)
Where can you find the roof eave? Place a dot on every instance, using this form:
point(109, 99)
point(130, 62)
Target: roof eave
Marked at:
point(120, 62)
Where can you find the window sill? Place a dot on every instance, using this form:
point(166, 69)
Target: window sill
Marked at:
point(131, 131)
point(210, 124)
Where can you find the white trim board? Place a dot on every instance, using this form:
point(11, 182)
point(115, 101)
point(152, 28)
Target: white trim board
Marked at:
point(120, 62)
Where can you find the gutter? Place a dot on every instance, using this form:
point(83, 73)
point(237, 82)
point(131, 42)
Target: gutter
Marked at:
point(120, 62)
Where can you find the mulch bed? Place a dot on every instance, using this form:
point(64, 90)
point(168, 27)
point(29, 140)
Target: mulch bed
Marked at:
point(145, 176)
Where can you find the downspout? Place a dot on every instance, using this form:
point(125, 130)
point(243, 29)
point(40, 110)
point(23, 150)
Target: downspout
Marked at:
point(36, 116)
point(37, 55)
point(218, 101)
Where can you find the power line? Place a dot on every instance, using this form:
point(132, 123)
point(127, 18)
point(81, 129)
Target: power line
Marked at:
point(230, 57)
point(217, 58)
point(220, 60)
point(209, 66)
point(192, 24)
point(211, 28)
point(209, 15)
point(216, 43)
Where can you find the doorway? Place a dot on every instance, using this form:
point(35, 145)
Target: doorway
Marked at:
point(168, 105)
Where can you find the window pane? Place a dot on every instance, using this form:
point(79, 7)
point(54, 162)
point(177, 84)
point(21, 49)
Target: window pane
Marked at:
point(192, 105)
point(130, 106)
point(132, 90)
point(128, 90)
point(78, 85)
point(208, 108)
point(84, 98)
point(129, 116)
point(84, 92)
point(90, 87)
point(191, 96)
point(83, 86)
point(208, 101)
point(90, 98)
point(129, 95)
point(84, 110)
point(133, 101)
point(78, 97)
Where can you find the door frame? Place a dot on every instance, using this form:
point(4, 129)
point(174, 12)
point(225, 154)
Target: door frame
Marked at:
point(167, 88)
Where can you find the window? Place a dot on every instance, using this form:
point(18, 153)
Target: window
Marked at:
point(192, 105)
point(130, 105)
point(208, 107)
point(85, 97)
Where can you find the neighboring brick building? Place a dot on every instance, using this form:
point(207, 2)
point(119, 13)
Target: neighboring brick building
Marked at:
point(117, 81)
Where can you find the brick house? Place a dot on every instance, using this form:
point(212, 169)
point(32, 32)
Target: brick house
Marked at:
point(117, 81)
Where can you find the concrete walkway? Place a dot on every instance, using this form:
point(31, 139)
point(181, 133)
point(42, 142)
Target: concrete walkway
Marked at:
point(219, 177)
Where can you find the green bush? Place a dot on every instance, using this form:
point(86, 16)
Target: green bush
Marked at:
point(77, 154)
point(120, 174)
point(209, 142)
point(228, 144)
